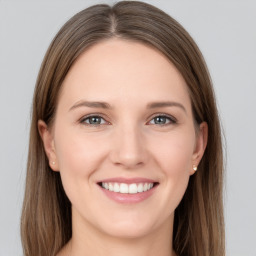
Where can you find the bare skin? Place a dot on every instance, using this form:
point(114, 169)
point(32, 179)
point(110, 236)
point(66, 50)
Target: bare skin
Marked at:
point(140, 124)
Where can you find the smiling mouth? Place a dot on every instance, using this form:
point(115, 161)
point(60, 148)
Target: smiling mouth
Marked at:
point(124, 188)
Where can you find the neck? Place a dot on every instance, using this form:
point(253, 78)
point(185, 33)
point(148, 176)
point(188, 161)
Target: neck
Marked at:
point(87, 240)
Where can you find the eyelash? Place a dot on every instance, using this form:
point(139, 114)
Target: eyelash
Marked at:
point(82, 121)
point(171, 119)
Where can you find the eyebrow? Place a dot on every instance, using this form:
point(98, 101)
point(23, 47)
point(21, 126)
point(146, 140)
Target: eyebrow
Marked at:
point(166, 104)
point(91, 104)
point(105, 105)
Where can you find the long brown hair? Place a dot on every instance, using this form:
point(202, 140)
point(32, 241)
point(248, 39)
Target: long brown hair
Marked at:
point(46, 216)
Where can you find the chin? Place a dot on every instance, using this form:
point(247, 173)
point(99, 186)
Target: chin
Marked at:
point(128, 232)
point(129, 228)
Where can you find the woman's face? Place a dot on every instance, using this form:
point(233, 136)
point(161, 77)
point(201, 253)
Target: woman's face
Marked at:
point(124, 121)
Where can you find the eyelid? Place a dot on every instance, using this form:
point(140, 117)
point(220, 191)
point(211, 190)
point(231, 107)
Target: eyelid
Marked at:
point(82, 120)
point(173, 120)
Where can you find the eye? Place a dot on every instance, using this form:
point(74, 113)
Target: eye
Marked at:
point(94, 120)
point(162, 120)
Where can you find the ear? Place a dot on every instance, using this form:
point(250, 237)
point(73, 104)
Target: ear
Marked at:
point(49, 147)
point(201, 143)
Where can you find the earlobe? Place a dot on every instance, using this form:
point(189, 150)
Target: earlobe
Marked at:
point(201, 143)
point(49, 146)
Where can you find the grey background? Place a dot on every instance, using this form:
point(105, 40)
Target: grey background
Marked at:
point(225, 32)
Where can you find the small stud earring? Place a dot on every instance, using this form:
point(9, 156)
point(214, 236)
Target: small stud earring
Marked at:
point(195, 168)
point(53, 163)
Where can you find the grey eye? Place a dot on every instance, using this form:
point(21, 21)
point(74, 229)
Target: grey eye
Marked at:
point(94, 120)
point(162, 120)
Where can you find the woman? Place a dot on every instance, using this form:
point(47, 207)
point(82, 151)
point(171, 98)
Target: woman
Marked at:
point(125, 153)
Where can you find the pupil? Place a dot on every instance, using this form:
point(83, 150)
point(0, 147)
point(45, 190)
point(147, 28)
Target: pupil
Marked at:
point(94, 120)
point(160, 120)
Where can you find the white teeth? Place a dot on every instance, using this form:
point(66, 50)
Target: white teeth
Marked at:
point(140, 188)
point(110, 187)
point(116, 187)
point(123, 188)
point(133, 189)
point(127, 188)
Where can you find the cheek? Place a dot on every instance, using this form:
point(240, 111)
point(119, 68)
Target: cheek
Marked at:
point(175, 152)
point(174, 156)
point(78, 156)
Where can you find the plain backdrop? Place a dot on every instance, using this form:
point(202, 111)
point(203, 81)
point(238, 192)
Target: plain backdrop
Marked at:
point(226, 34)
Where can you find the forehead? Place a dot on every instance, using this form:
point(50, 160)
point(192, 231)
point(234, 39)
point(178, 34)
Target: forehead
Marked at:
point(126, 70)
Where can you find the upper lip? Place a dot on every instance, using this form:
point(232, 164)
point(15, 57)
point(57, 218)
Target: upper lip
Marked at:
point(128, 180)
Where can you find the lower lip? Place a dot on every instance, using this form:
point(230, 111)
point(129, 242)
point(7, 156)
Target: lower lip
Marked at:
point(128, 198)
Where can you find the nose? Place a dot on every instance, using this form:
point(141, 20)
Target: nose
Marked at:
point(128, 148)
